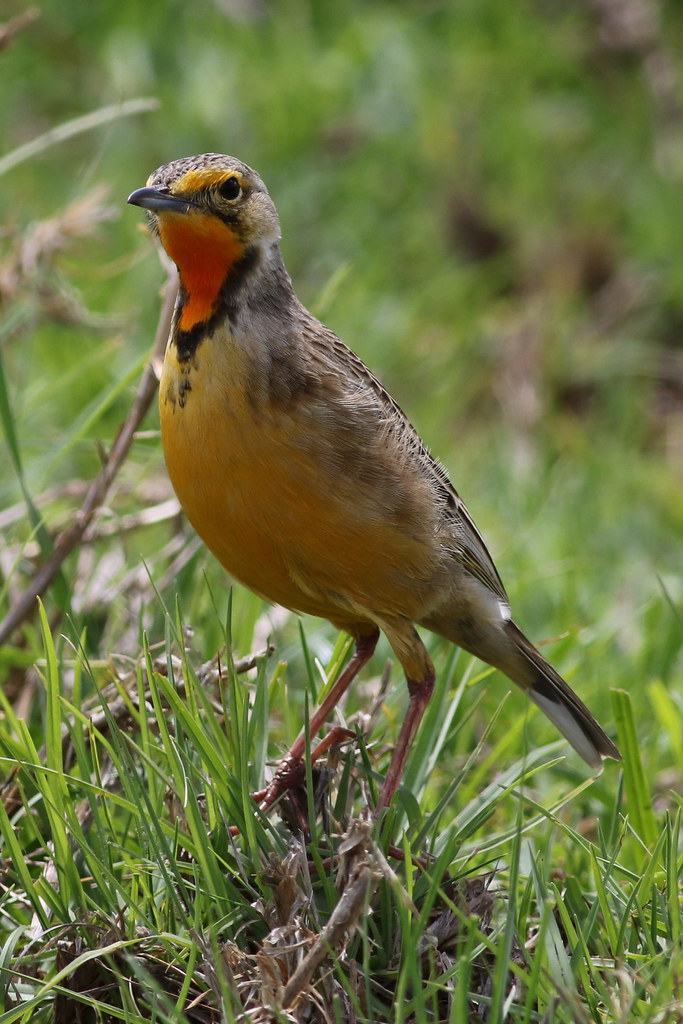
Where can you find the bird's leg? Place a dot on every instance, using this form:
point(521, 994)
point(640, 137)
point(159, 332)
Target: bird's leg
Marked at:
point(420, 676)
point(295, 812)
point(288, 772)
point(296, 771)
point(420, 692)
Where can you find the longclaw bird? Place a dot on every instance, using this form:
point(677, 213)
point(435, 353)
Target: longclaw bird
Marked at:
point(302, 474)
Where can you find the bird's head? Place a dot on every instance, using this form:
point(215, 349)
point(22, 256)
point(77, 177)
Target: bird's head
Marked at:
point(210, 213)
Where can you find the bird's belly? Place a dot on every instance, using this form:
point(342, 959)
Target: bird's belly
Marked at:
point(257, 489)
point(230, 487)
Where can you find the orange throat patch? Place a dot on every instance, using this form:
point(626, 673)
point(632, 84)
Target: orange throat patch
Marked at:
point(205, 250)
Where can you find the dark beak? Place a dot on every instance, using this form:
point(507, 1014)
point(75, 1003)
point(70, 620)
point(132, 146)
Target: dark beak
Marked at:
point(159, 200)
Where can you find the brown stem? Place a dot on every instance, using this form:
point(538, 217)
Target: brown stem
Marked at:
point(70, 538)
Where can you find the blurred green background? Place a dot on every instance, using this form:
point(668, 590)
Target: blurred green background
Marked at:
point(482, 198)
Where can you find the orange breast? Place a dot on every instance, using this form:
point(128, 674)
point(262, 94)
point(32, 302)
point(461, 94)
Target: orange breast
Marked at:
point(268, 508)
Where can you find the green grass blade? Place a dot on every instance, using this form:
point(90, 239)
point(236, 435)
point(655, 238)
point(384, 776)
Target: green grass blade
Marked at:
point(639, 802)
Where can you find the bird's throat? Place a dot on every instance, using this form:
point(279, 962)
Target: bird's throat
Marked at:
point(206, 250)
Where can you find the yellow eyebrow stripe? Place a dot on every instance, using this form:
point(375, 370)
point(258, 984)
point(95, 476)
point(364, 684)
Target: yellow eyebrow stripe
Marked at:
point(199, 178)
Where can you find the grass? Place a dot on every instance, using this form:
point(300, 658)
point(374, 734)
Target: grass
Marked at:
point(125, 890)
point(483, 199)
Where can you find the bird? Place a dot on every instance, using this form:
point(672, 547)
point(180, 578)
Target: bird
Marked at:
point(305, 478)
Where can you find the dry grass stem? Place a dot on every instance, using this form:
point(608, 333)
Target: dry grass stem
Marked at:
point(75, 127)
point(10, 29)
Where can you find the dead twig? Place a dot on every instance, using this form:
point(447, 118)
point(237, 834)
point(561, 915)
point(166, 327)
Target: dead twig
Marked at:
point(73, 535)
point(341, 923)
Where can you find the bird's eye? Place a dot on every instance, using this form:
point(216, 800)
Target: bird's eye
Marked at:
point(230, 189)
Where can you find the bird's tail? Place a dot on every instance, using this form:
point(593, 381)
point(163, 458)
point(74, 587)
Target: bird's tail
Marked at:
point(529, 669)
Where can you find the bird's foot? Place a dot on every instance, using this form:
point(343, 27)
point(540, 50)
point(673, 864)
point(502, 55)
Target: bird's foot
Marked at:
point(291, 772)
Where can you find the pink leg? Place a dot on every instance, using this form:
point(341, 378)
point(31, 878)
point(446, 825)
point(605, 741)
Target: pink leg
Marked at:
point(420, 692)
point(288, 768)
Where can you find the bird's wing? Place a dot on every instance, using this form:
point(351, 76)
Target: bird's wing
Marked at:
point(469, 547)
